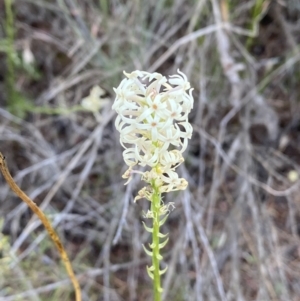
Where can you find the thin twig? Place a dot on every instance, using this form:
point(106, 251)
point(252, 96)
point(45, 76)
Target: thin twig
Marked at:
point(55, 238)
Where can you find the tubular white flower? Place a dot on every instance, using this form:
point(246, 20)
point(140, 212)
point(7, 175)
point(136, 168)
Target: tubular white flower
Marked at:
point(155, 106)
point(170, 160)
point(173, 182)
point(147, 157)
point(180, 80)
point(170, 136)
point(152, 116)
point(130, 157)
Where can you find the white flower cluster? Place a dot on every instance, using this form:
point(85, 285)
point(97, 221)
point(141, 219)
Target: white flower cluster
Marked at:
point(153, 124)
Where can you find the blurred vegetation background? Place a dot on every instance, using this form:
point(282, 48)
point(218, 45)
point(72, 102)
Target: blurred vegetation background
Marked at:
point(235, 232)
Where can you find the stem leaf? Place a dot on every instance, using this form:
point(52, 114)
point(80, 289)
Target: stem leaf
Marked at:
point(160, 235)
point(158, 256)
point(153, 245)
point(163, 271)
point(161, 245)
point(150, 253)
point(149, 229)
point(150, 272)
point(161, 222)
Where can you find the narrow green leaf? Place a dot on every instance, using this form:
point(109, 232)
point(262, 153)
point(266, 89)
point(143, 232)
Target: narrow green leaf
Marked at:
point(163, 271)
point(149, 229)
point(153, 245)
point(147, 251)
point(150, 273)
point(158, 256)
point(161, 222)
point(160, 235)
point(161, 245)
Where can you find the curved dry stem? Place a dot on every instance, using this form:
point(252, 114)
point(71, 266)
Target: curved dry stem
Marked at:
point(53, 235)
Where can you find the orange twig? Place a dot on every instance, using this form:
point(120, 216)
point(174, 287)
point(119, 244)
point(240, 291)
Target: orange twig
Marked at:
point(32, 205)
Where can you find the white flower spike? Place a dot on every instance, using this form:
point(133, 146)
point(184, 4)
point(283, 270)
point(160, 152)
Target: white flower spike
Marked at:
point(154, 130)
point(153, 124)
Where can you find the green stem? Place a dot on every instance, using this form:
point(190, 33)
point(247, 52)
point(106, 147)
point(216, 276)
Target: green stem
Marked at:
point(9, 28)
point(256, 16)
point(155, 208)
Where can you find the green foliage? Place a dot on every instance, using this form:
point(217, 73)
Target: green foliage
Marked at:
point(17, 104)
point(10, 53)
point(257, 13)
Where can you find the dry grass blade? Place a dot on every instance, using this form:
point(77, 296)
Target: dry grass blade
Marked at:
point(19, 192)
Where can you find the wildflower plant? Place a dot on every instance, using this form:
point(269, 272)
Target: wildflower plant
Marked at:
point(154, 130)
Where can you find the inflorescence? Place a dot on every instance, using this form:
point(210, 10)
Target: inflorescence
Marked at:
point(154, 129)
